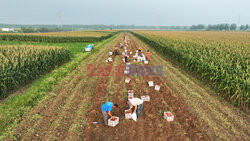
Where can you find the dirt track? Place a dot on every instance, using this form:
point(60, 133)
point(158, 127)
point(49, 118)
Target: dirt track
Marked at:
point(74, 104)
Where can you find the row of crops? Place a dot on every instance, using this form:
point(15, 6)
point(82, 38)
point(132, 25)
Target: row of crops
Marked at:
point(219, 60)
point(19, 65)
point(53, 39)
point(97, 33)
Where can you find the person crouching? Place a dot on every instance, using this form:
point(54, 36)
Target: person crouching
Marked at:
point(106, 111)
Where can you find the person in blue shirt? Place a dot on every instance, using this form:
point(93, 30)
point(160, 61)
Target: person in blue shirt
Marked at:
point(106, 110)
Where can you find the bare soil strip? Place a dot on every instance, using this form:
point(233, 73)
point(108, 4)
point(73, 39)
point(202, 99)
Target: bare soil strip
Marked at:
point(151, 125)
point(74, 104)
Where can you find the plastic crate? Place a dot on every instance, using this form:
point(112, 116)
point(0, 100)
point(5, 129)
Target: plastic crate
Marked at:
point(130, 92)
point(157, 87)
point(126, 72)
point(168, 116)
point(128, 114)
point(113, 121)
point(127, 80)
point(150, 83)
point(145, 98)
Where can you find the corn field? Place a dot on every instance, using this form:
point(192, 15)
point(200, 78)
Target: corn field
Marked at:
point(218, 58)
point(98, 33)
point(22, 64)
point(55, 38)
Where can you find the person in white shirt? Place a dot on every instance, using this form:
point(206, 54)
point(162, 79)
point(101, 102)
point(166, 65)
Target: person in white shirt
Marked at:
point(143, 57)
point(110, 59)
point(110, 53)
point(121, 45)
point(137, 103)
point(136, 56)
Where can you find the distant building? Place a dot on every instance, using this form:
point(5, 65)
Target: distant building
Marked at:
point(8, 29)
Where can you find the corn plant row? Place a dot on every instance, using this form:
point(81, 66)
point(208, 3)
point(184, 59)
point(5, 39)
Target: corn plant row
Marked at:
point(53, 39)
point(19, 65)
point(226, 70)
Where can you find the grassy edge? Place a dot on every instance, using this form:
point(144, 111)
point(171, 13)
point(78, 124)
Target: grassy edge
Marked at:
point(14, 108)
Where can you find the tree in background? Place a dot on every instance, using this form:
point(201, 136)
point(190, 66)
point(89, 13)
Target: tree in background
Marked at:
point(242, 27)
point(198, 27)
point(27, 29)
point(247, 27)
point(233, 27)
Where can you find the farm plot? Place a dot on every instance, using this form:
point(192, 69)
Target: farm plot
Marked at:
point(218, 118)
point(74, 105)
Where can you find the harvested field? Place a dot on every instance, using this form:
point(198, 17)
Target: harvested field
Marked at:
point(75, 103)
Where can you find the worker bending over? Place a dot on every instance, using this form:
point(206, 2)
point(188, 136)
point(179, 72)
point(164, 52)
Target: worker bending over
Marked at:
point(137, 103)
point(106, 110)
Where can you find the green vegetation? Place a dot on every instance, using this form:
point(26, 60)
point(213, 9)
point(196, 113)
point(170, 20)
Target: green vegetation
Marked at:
point(52, 39)
point(22, 64)
point(74, 48)
point(220, 60)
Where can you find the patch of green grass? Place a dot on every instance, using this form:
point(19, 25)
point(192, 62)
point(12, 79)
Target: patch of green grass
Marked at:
point(74, 48)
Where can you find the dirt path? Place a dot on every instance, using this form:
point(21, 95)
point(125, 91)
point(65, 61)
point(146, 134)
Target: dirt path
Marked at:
point(73, 105)
point(151, 125)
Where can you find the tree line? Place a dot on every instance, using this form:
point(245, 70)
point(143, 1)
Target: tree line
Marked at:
point(225, 26)
point(56, 28)
point(42, 29)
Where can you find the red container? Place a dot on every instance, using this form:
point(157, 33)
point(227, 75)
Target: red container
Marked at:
point(130, 91)
point(127, 112)
point(169, 114)
point(131, 97)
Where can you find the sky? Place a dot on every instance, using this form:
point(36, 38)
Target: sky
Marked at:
point(125, 12)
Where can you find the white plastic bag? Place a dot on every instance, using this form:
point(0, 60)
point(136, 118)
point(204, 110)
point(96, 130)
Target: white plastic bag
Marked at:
point(134, 116)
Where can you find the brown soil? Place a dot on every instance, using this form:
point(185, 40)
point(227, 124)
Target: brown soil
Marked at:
point(74, 104)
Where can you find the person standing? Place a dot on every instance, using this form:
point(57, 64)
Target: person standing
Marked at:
point(148, 55)
point(137, 103)
point(106, 111)
point(121, 45)
point(116, 51)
